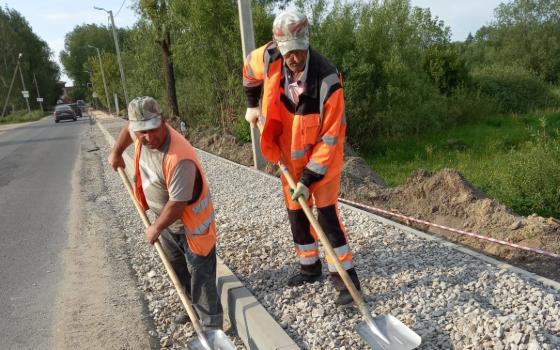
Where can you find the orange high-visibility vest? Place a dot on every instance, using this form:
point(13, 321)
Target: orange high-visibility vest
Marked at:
point(310, 135)
point(198, 217)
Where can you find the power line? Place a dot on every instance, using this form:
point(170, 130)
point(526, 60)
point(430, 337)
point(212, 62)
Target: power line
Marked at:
point(120, 8)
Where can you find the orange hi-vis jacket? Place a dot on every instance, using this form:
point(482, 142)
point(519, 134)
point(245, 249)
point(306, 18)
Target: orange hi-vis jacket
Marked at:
point(307, 136)
point(198, 217)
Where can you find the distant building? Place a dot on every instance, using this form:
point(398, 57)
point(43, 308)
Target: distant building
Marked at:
point(66, 92)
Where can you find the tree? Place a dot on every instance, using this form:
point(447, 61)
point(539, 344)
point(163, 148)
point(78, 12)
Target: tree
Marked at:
point(526, 33)
point(209, 49)
point(158, 13)
point(76, 51)
point(16, 36)
point(112, 77)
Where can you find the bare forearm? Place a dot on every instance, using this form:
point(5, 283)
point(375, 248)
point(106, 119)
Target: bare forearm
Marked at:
point(170, 213)
point(123, 141)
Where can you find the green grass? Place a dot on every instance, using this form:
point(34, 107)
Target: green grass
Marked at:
point(22, 117)
point(490, 153)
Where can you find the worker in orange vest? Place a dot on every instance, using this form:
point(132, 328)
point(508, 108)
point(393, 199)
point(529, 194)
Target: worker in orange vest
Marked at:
point(169, 180)
point(304, 126)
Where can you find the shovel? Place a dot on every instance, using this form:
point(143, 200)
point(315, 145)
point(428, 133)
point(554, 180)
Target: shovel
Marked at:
point(214, 339)
point(384, 332)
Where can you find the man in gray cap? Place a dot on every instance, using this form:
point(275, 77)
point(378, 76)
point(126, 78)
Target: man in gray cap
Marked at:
point(303, 124)
point(169, 181)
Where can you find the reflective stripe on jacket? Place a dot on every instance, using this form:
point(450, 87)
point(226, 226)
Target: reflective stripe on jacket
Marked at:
point(318, 126)
point(198, 217)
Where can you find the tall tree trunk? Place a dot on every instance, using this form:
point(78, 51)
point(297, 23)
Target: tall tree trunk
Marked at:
point(169, 74)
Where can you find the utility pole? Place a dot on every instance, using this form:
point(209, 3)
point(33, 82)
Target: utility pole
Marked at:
point(93, 94)
point(123, 80)
point(11, 85)
point(116, 104)
point(248, 44)
point(39, 99)
point(24, 92)
point(103, 77)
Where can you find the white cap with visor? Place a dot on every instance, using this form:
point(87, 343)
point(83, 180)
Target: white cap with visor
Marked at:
point(291, 31)
point(144, 113)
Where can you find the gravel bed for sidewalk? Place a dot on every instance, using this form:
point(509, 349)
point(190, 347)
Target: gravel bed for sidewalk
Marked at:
point(164, 305)
point(453, 300)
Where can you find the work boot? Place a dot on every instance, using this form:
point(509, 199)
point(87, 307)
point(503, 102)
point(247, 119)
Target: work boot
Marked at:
point(299, 279)
point(344, 297)
point(182, 318)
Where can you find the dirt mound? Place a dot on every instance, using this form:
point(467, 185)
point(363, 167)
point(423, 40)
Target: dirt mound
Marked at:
point(357, 174)
point(222, 144)
point(444, 197)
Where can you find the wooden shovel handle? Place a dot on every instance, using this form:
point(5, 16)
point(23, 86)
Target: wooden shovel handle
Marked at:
point(360, 303)
point(170, 271)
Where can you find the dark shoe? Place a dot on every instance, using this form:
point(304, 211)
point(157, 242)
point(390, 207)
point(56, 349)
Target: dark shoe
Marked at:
point(344, 297)
point(299, 279)
point(182, 318)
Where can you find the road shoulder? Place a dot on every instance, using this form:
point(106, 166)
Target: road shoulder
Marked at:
point(98, 304)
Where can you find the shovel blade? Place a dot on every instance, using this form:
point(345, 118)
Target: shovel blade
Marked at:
point(400, 337)
point(217, 340)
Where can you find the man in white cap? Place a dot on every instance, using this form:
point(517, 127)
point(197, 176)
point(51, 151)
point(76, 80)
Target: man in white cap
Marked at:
point(169, 180)
point(302, 115)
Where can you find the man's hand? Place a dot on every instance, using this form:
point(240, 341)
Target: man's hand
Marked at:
point(115, 160)
point(152, 234)
point(301, 190)
point(252, 115)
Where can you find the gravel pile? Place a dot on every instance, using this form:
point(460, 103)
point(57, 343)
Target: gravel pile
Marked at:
point(165, 308)
point(451, 299)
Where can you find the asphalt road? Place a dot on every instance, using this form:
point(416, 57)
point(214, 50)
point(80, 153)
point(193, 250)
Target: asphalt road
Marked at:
point(36, 164)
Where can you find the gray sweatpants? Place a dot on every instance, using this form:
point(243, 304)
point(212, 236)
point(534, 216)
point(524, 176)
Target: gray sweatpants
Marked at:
point(198, 276)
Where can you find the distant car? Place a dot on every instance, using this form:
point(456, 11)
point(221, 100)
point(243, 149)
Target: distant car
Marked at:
point(83, 106)
point(62, 112)
point(76, 108)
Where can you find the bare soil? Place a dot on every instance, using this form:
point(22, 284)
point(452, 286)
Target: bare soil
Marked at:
point(98, 304)
point(444, 198)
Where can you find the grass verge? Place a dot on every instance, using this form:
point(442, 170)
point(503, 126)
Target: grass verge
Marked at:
point(514, 159)
point(22, 117)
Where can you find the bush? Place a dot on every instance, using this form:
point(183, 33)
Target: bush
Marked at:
point(530, 178)
point(514, 88)
point(242, 131)
point(465, 105)
point(22, 116)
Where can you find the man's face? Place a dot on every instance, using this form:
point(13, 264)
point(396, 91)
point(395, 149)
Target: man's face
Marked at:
point(295, 60)
point(153, 138)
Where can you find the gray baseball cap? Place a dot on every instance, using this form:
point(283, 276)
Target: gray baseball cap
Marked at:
point(144, 113)
point(291, 31)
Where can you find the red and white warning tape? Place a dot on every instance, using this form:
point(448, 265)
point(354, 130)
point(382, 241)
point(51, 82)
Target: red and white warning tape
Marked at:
point(386, 212)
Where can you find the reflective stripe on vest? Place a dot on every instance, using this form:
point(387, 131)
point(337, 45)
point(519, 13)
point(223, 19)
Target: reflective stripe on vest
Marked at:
point(318, 168)
point(326, 84)
point(300, 153)
point(204, 226)
point(202, 205)
point(329, 140)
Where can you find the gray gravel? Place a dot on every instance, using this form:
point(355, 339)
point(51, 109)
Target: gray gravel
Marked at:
point(451, 299)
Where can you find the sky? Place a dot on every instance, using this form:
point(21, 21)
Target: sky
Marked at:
point(52, 19)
